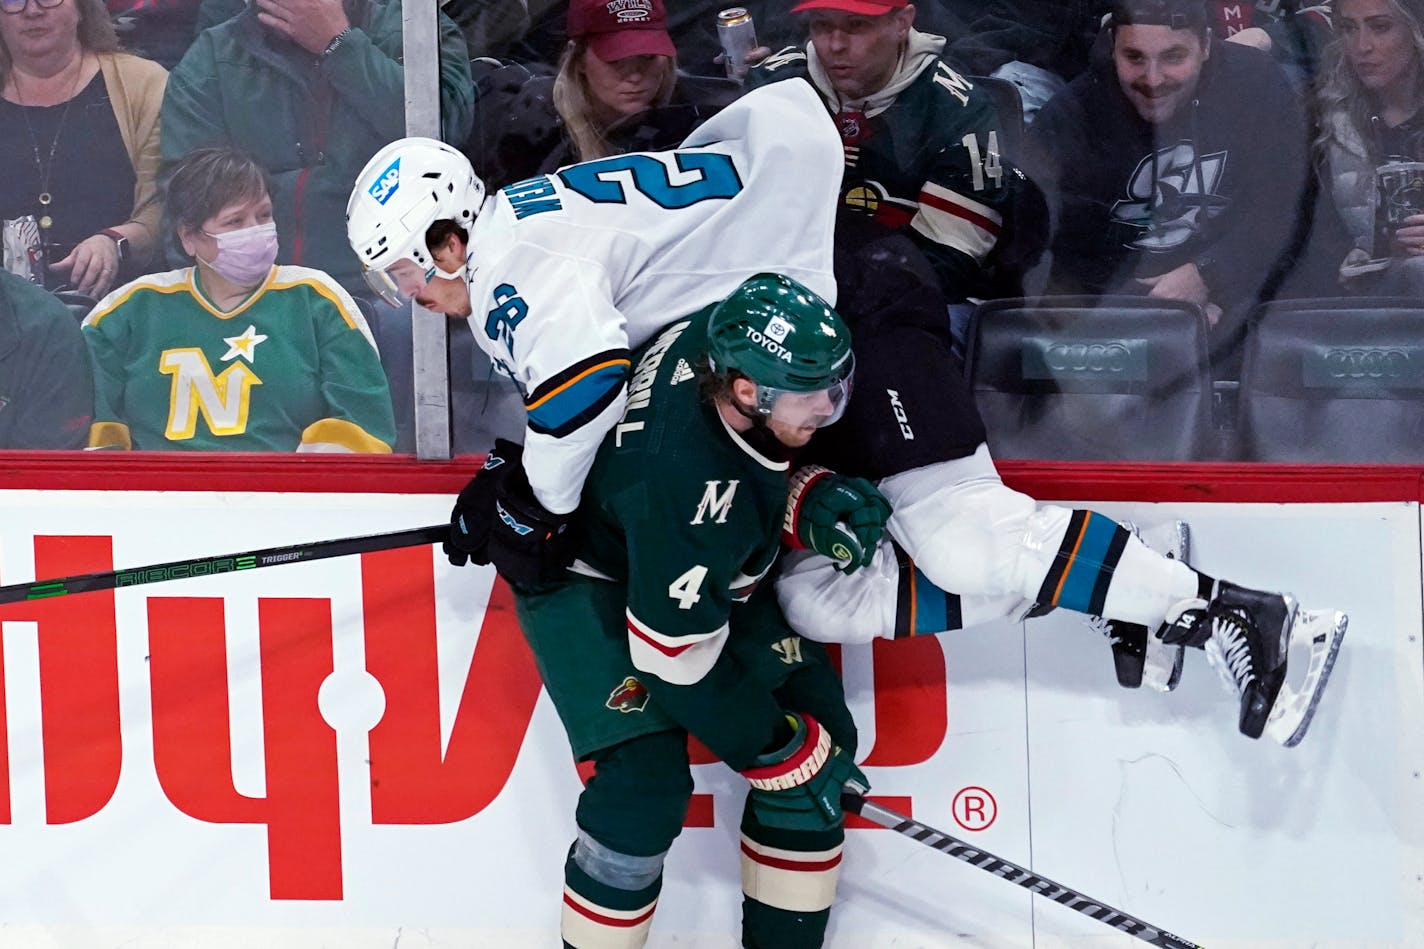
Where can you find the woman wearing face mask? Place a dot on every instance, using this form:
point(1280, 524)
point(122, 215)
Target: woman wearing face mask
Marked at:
point(233, 353)
point(1370, 96)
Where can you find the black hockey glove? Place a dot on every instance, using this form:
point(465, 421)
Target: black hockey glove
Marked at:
point(473, 513)
point(528, 544)
point(834, 515)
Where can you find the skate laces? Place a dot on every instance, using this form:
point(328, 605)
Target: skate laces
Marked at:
point(1103, 627)
point(1228, 651)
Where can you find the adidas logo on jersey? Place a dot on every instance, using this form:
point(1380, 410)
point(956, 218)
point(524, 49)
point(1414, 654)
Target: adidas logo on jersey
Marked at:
point(681, 373)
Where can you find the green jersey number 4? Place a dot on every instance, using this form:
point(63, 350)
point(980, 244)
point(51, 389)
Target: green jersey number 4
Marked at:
point(684, 588)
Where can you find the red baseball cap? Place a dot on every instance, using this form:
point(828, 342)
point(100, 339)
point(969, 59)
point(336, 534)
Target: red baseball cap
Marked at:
point(617, 29)
point(860, 7)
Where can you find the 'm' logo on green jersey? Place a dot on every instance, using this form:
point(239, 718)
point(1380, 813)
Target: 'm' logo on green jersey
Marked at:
point(713, 505)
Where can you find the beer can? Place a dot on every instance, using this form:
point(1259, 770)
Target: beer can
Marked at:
point(1401, 190)
point(21, 249)
point(737, 33)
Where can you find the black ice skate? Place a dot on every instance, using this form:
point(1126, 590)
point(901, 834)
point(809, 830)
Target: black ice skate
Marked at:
point(1140, 659)
point(1247, 635)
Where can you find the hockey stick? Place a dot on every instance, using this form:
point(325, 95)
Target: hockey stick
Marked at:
point(854, 801)
point(207, 566)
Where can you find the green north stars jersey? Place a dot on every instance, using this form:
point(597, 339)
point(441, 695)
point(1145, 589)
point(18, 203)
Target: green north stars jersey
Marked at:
point(681, 507)
point(292, 368)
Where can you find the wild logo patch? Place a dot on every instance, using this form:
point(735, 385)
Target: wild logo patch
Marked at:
point(630, 696)
point(875, 199)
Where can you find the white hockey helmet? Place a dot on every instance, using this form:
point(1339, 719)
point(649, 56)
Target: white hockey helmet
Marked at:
point(406, 187)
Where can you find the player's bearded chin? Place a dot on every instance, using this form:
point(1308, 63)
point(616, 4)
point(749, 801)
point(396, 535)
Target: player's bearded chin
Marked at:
point(760, 436)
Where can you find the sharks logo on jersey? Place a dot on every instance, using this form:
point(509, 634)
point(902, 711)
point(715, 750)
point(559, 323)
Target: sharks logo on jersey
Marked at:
point(1166, 207)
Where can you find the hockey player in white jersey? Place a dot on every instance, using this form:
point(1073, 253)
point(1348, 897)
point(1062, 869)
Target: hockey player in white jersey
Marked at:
point(562, 274)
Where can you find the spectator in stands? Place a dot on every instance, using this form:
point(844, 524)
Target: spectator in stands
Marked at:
point(693, 27)
point(1369, 105)
point(1177, 169)
point(234, 353)
point(80, 140)
point(617, 89)
point(922, 143)
point(311, 88)
point(46, 397)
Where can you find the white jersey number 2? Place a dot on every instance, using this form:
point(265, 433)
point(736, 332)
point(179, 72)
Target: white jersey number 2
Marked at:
point(716, 178)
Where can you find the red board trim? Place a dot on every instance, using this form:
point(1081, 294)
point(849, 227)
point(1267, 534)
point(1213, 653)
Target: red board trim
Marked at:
point(319, 473)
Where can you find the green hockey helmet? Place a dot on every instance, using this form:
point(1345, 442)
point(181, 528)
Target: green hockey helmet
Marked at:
point(785, 339)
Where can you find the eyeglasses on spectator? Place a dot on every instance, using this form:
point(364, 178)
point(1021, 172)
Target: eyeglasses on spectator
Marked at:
point(17, 6)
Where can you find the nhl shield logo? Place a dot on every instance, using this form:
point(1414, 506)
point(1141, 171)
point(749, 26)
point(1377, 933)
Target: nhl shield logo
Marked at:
point(630, 696)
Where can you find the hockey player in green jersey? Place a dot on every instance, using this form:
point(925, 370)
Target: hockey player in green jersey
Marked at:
point(659, 632)
point(234, 353)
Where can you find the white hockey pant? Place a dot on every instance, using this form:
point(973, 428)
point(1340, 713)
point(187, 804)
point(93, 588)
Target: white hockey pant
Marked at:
point(980, 552)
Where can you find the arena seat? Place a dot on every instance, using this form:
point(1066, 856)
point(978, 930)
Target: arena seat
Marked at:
point(1333, 380)
point(1009, 106)
point(1102, 379)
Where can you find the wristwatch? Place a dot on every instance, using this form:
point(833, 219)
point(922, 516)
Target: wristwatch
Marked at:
point(121, 243)
point(335, 44)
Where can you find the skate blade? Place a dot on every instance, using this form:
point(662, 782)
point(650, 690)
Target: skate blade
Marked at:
point(1162, 665)
point(1322, 631)
point(1162, 669)
point(1172, 539)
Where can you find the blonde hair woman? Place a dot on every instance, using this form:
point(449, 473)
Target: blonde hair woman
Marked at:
point(611, 70)
point(1371, 91)
point(618, 89)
